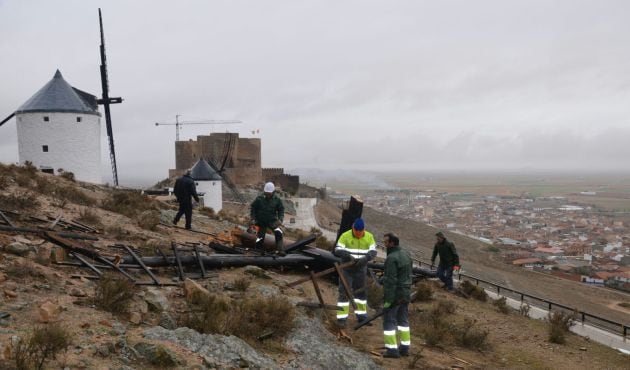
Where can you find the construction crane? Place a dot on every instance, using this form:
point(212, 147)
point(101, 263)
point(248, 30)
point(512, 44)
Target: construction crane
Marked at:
point(178, 125)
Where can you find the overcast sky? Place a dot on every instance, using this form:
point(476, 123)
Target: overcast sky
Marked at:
point(340, 84)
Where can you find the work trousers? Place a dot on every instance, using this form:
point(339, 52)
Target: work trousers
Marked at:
point(260, 236)
point(185, 208)
point(445, 274)
point(397, 318)
point(356, 280)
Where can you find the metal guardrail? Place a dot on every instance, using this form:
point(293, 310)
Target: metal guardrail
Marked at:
point(603, 323)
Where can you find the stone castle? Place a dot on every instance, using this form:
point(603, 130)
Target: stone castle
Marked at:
point(243, 164)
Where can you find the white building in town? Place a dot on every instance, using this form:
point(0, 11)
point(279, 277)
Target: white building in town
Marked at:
point(60, 128)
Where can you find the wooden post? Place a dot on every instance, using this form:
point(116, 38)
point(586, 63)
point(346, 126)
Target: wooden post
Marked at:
point(344, 282)
point(317, 291)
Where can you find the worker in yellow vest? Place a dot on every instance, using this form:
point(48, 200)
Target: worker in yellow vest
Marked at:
point(359, 246)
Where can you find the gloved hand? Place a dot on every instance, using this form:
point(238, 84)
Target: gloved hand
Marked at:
point(347, 258)
point(456, 267)
point(387, 305)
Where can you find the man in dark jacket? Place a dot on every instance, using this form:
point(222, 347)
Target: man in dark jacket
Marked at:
point(184, 191)
point(396, 296)
point(267, 212)
point(449, 260)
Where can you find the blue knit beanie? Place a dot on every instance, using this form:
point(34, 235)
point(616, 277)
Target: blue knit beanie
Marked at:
point(358, 224)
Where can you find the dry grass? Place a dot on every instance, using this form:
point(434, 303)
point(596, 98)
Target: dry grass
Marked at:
point(21, 271)
point(19, 201)
point(208, 211)
point(474, 291)
point(245, 318)
point(87, 216)
point(129, 203)
point(559, 324)
point(524, 309)
point(424, 292)
point(43, 344)
point(242, 284)
point(114, 293)
point(67, 175)
point(148, 220)
point(323, 243)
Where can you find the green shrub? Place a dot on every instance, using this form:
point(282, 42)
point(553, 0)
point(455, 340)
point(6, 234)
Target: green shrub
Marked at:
point(43, 344)
point(470, 337)
point(208, 211)
point(501, 305)
point(559, 324)
point(474, 291)
point(67, 175)
point(245, 318)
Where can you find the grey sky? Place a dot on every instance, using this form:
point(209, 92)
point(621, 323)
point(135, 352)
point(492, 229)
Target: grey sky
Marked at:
point(341, 84)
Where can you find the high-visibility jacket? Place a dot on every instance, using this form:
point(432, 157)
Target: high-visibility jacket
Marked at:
point(357, 247)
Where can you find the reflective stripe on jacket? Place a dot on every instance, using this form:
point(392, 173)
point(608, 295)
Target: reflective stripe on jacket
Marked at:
point(358, 248)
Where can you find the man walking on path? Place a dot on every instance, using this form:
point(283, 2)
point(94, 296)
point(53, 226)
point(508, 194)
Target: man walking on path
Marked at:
point(396, 297)
point(449, 260)
point(359, 246)
point(184, 190)
point(267, 212)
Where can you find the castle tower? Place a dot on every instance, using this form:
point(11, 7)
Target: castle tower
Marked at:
point(60, 128)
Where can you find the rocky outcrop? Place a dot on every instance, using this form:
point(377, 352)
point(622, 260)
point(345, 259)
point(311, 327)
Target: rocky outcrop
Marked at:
point(317, 348)
point(217, 350)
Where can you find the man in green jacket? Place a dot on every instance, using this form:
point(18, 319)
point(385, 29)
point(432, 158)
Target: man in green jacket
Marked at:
point(267, 212)
point(396, 297)
point(449, 260)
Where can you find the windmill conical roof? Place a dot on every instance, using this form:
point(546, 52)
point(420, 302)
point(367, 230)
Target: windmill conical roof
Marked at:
point(202, 171)
point(58, 96)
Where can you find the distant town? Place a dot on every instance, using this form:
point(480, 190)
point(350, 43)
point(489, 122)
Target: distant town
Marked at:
point(549, 234)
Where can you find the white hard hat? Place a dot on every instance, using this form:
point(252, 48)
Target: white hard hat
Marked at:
point(269, 187)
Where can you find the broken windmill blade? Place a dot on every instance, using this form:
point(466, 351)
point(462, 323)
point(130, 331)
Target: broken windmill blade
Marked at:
point(349, 214)
point(105, 101)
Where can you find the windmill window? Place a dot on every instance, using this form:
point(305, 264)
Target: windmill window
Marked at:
point(45, 148)
point(78, 119)
point(46, 118)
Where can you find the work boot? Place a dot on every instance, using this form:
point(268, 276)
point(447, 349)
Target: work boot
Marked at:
point(175, 222)
point(391, 353)
point(404, 351)
point(341, 324)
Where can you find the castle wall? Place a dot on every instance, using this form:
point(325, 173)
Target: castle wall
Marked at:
point(243, 166)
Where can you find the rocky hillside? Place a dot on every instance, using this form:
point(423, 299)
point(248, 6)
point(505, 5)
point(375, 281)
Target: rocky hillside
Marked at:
point(53, 314)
